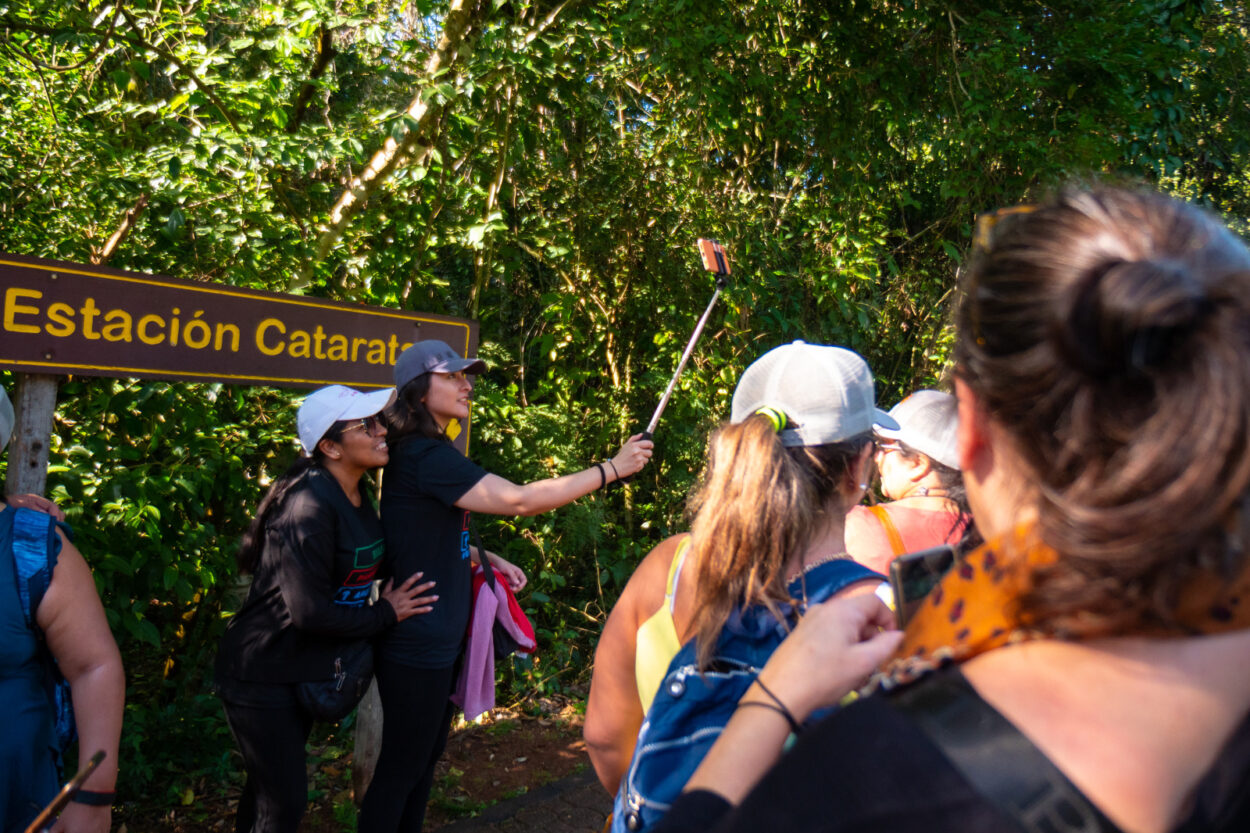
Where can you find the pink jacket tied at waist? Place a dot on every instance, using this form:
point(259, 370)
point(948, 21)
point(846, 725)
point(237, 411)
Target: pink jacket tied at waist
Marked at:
point(475, 688)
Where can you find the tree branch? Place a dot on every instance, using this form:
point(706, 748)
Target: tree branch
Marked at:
point(325, 54)
point(101, 256)
point(460, 25)
point(139, 41)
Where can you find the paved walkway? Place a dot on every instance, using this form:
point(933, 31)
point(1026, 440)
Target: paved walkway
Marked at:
point(576, 804)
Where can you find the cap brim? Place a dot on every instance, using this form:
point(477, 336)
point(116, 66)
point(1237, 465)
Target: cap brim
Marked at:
point(883, 423)
point(368, 404)
point(474, 366)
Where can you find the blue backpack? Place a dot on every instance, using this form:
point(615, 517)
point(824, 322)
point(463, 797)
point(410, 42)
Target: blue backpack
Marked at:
point(35, 548)
point(691, 708)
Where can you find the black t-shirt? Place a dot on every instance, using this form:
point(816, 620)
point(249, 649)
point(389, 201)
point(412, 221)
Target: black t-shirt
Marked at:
point(310, 592)
point(427, 532)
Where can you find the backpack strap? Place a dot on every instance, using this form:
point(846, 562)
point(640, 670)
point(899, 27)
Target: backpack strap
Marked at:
point(35, 548)
point(891, 531)
point(996, 758)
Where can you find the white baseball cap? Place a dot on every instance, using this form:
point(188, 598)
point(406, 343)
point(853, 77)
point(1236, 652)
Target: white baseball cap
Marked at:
point(928, 422)
point(7, 418)
point(825, 393)
point(326, 406)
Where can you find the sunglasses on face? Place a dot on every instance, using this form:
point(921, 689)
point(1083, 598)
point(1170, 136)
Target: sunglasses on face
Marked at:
point(368, 424)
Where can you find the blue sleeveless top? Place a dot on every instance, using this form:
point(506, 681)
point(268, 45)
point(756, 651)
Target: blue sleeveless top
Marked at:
point(28, 776)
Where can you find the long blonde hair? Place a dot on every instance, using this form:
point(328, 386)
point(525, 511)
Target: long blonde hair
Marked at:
point(758, 505)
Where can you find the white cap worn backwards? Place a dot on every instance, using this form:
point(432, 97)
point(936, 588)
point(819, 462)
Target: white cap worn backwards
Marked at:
point(825, 393)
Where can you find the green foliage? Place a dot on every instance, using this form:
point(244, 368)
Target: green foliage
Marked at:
point(839, 152)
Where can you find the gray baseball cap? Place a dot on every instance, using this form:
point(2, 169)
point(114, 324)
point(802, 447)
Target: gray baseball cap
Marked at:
point(825, 392)
point(7, 418)
point(432, 356)
point(928, 422)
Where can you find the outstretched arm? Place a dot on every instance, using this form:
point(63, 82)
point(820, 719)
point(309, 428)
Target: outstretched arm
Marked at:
point(495, 495)
point(78, 635)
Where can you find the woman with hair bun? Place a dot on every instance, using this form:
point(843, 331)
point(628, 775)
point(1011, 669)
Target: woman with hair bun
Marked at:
point(767, 534)
point(1086, 667)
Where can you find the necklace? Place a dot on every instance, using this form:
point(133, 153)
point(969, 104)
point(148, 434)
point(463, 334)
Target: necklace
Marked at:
point(802, 571)
point(925, 491)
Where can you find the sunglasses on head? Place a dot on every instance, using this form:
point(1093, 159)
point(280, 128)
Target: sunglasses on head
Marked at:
point(982, 241)
point(983, 233)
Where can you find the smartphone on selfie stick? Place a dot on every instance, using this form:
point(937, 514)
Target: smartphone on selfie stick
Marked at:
point(914, 575)
point(714, 261)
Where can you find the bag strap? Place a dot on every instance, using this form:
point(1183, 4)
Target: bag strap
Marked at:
point(996, 758)
point(488, 571)
point(891, 531)
point(674, 573)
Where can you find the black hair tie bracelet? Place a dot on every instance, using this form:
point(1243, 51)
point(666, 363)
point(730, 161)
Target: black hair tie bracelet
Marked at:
point(94, 799)
point(780, 707)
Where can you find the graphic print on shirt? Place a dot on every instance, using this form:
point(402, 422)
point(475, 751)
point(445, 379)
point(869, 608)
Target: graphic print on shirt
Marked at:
point(354, 591)
point(464, 536)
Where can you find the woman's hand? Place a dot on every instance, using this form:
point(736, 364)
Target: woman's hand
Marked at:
point(830, 653)
point(512, 574)
point(407, 599)
point(37, 502)
point(81, 818)
point(632, 456)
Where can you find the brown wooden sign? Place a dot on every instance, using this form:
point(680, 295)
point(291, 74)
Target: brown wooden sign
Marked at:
point(68, 318)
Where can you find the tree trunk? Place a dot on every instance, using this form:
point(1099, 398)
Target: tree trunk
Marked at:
point(367, 741)
point(460, 27)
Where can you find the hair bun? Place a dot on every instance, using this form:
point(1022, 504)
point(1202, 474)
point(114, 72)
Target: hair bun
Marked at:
point(1129, 317)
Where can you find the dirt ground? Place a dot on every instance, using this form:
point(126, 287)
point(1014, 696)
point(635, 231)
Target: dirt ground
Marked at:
point(510, 754)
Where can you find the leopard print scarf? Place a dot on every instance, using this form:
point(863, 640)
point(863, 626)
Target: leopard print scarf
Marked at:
point(973, 609)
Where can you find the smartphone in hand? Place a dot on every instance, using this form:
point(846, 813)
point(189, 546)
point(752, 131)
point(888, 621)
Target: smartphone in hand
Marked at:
point(913, 575)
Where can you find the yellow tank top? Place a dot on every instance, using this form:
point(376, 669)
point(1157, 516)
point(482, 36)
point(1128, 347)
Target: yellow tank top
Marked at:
point(657, 641)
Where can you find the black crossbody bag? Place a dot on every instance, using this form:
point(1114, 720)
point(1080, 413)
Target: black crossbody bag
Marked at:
point(334, 698)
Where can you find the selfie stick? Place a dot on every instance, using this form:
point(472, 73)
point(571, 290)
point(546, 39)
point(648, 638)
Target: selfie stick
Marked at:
point(44, 820)
point(714, 260)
